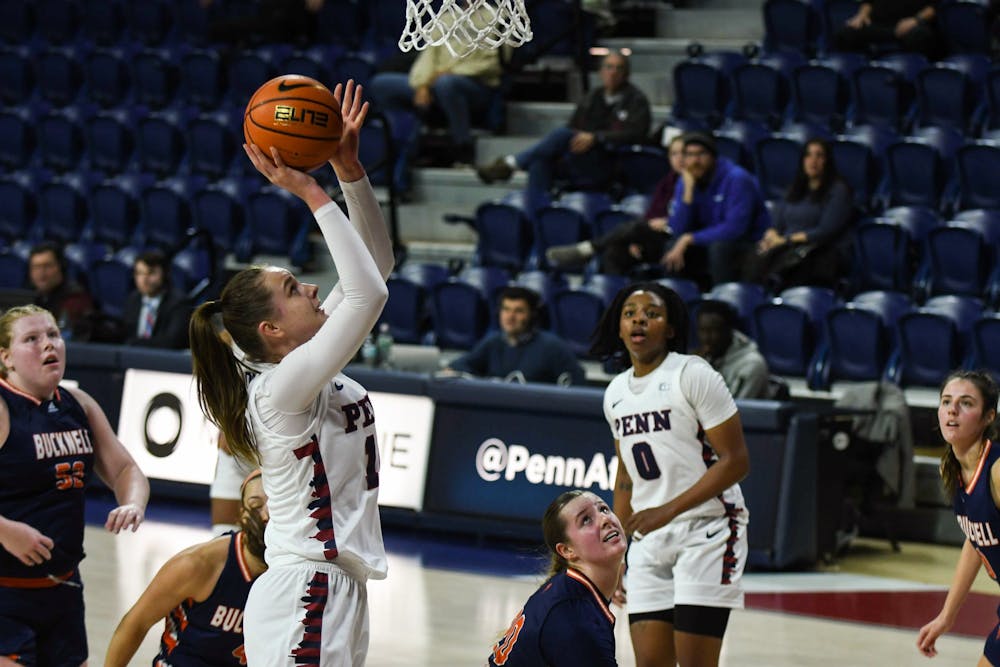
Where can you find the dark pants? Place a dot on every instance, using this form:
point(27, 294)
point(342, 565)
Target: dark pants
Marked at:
point(614, 246)
point(922, 39)
point(551, 157)
point(792, 264)
point(715, 263)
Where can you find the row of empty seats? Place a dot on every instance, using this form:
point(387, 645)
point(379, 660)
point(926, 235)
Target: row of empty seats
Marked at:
point(901, 90)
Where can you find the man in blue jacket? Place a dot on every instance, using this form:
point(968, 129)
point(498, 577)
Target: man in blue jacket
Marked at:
point(716, 216)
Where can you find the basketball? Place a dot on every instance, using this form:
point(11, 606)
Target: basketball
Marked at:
point(297, 115)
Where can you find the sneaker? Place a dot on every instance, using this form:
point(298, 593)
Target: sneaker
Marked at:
point(573, 254)
point(498, 170)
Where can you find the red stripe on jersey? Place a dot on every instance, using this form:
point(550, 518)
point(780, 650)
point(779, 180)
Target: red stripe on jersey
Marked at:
point(240, 559)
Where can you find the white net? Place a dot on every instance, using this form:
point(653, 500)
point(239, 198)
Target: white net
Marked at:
point(464, 26)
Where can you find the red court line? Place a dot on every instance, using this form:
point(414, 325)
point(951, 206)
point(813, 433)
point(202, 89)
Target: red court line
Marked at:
point(902, 609)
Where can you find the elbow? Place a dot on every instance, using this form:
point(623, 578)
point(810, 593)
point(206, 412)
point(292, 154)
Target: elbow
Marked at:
point(380, 294)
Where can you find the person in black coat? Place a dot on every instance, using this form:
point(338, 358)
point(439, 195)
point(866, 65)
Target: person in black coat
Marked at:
point(155, 314)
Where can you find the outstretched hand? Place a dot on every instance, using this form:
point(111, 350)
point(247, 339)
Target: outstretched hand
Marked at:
point(277, 172)
point(353, 113)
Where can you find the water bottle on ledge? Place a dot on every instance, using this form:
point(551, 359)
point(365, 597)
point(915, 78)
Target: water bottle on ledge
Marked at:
point(369, 351)
point(383, 345)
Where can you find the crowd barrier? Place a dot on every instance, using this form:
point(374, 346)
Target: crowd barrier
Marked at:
point(463, 455)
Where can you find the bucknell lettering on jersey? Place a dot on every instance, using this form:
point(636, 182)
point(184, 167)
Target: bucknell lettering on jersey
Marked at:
point(62, 443)
point(643, 422)
point(230, 619)
point(979, 532)
point(355, 411)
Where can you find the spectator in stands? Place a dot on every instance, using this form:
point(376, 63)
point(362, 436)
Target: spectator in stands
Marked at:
point(615, 114)
point(70, 304)
point(906, 23)
point(634, 242)
point(806, 243)
point(730, 351)
point(461, 87)
point(716, 215)
point(156, 314)
point(519, 351)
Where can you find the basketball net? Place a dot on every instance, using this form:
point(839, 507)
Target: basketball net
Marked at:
point(464, 26)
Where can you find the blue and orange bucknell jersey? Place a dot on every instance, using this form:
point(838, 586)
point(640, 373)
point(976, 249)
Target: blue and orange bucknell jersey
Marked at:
point(45, 464)
point(210, 633)
point(565, 622)
point(977, 512)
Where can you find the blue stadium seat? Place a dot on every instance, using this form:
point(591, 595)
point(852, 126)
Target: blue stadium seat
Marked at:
point(785, 336)
point(761, 92)
point(687, 289)
point(17, 21)
point(104, 22)
point(545, 285)
point(58, 21)
point(917, 174)
point(858, 165)
point(977, 166)
point(354, 65)
point(212, 144)
point(835, 14)
point(341, 22)
point(81, 257)
point(20, 206)
point(203, 78)
point(640, 168)
point(313, 62)
point(965, 26)
point(63, 208)
point(277, 224)
point(166, 214)
point(737, 139)
point(111, 141)
point(17, 137)
point(604, 285)
point(377, 151)
point(822, 94)
point(61, 140)
point(985, 351)
point(960, 260)
point(116, 208)
point(883, 96)
point(406, 310)
point(13, 270)
point(219, 211)
point(575, 314)
point(17, 75)
point(111, 281)
point(933, 340)
point(858, 339)
point(948, 95)
point(460, 314)
point(108, 77)
point(156, 78)
point(505, 235)
point(59, 73)
point(425, 274)
point(558, 224)
point(151, 22)
point(792, 25)
point(247, 71)
point(744, 297)
point(487, 279)
point(160, 141)
point(192, 269)
point(702, 88)
point(777, 160)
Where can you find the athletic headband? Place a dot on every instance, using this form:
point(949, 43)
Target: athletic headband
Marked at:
point(249, 478)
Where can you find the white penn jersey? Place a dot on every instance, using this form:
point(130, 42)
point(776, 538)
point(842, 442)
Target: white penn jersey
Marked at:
point(660, 421)
point(337, 458)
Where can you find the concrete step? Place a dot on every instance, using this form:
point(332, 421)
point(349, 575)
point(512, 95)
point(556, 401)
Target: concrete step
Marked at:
point(711, 23)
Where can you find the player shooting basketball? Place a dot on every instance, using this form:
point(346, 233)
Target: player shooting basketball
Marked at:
point(311, 428)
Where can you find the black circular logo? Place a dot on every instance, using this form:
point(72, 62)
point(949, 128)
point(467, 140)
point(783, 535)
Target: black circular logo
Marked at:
point(159, 445)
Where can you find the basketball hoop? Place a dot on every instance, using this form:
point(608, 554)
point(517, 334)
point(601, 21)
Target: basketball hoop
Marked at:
point(464, 26)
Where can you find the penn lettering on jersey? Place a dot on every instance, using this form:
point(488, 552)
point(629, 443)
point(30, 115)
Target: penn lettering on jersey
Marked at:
point(979, 532)
point(62, 443)
point(354, 411)
point(643, 422)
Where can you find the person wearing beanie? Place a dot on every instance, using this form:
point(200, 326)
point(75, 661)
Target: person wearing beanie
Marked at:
point(716, 215)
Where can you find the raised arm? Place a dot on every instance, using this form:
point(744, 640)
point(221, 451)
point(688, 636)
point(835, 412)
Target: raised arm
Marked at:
point(116, 468)
point(192, 573)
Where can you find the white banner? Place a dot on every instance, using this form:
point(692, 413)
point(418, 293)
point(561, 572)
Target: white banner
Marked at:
point(164, 429)
point(404, 439)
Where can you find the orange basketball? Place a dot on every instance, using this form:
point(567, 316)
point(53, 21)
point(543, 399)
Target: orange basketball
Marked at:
point(297, 115)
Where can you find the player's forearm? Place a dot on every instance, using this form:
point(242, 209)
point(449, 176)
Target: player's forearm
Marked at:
point(965, 573)
point(365, 215)
point(725, 472)
point(131, 487)
point(124, 644)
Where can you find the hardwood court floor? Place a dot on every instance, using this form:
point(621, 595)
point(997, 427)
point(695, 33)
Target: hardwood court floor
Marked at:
point(445, 604)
